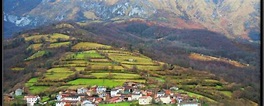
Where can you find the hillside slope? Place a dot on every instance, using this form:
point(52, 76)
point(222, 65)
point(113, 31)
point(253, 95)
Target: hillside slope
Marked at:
point(70, 55)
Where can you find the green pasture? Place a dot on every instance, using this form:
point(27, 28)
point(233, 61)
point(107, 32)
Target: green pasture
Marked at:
point(143, 67)
point(37, 89)
point(227, 93)
point(60, 44)
point(116, 75)
point(37, 55)
point(100, 82)
point(57, 74)
point(89, 45)
point(35, 46)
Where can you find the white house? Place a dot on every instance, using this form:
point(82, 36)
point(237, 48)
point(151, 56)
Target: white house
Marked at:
point(136, 96)
point(82, 90)
point(100, 89)
point(159, 94)
point(190, 102)
point(114, 92)
point(72, 98)
point(31, 100)
point(165, 99)
point(60, 103)
point(87, 103)
point(59, 97)
point(174, 88)
point(19, 92)
point(145, 100)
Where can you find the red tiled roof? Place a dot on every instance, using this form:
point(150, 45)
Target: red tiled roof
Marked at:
point(143, 97)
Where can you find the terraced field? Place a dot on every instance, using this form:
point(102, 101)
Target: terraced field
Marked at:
point(101, 82)
point(116, 75)
point(38, 54)
point(56, 37)
point(35, 46)
point(60, 44)
point(89, 46)
point(89, 64)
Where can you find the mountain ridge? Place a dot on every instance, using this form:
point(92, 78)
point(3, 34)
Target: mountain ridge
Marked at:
point(217, 15)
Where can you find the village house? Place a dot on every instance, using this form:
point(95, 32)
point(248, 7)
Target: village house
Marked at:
point(60, 103)
point(145, 100)
point(82, 90)
point(165, 99)
point(115, 100)
point(93, 88)
point(136, 96)
point(174, 88)
point(71, 103)
point(141, 86)
point(118, 94)
point(120, 88)
point(70, 91)
point(189, 103)
point(100, 89)
point(126, 97)
point(103, 95)
point(59, 96)
point(161, 93)
point(186, 101)
point(87, 103)
point(19, 92)
point(168, 92)
point(72, 98)
point(90, 92)
point(31, 100)
point(130, 83)
point(128, 89)
point(114, 92)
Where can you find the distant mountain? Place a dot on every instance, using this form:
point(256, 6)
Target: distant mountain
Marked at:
point(239, 19)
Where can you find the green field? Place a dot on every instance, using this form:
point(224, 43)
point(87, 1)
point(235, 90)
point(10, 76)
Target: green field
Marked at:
point(37, 55)
point(35, 46)
point(116, 75)
point(102, 67)
point(79, 68)
point(143, 67)
point(99, 82)
point(57, 74)
point(84, 55)
point(196, 95)
point(17, 69)
point(37, 89)
point(159, 79)
point(60, 44)
point(50, 38)
point(89, 46)
point(45, 98)
point(99, 60)
point(227, 93)
point(129, 59)
point(31, 82)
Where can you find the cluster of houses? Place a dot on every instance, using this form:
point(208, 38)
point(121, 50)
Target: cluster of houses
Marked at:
point(130, 91)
